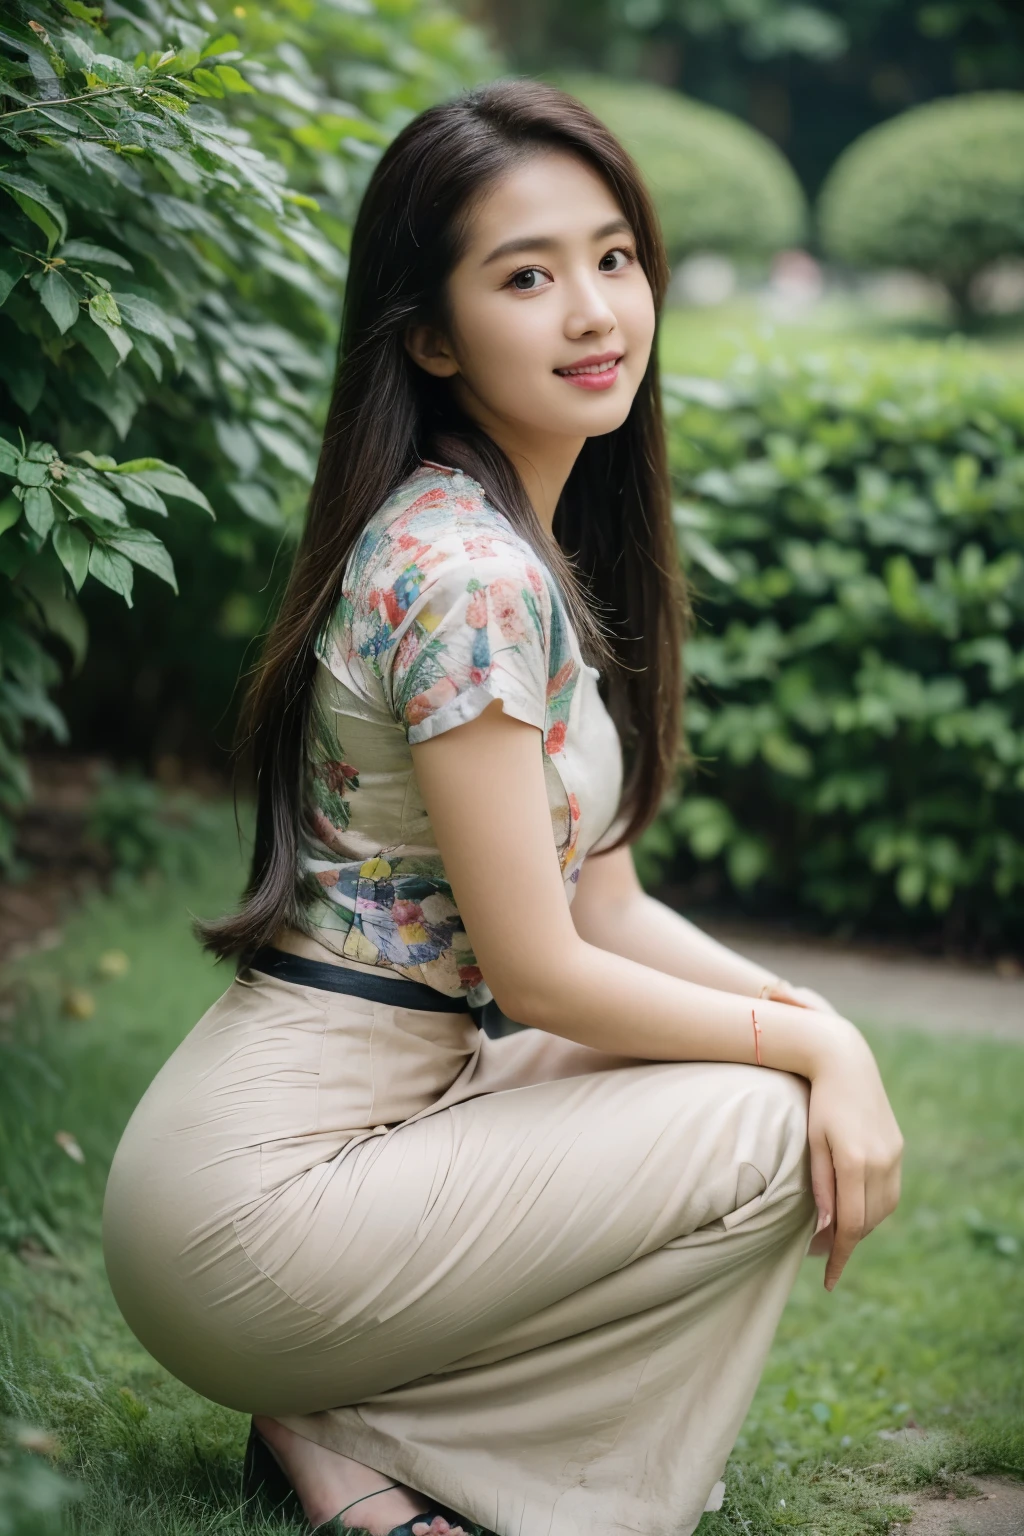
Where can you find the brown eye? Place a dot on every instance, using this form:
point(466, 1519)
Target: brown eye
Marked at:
point(627, 257)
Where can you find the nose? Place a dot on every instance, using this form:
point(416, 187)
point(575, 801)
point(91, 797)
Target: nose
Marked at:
point(588, 312)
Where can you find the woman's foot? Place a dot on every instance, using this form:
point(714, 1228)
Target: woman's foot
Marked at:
point(325, 1481)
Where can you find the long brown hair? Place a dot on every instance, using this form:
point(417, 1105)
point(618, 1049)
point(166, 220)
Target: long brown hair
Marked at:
point(612, 547)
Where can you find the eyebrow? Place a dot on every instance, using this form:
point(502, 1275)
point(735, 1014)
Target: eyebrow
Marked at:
point(548, 243)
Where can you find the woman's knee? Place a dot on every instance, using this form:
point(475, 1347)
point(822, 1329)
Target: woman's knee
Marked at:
point(765, 1124)
point(782, 1101)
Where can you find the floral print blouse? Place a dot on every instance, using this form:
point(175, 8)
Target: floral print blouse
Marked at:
point(444, 607)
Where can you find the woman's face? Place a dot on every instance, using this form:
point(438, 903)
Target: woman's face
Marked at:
point(548, 284)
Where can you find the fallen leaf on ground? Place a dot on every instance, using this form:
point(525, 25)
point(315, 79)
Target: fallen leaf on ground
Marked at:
point(113, 963)
point(39, 1441)
point(78, 1003)
point(68, 1144)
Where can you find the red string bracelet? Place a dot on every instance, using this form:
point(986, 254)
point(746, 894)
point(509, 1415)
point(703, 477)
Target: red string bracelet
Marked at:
point(757, 1037)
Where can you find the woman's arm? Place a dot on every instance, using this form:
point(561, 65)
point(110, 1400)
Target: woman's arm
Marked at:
point(612, 910)
point(484, 790)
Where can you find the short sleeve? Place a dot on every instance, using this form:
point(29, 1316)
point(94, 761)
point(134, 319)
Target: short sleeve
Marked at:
point(478, 629)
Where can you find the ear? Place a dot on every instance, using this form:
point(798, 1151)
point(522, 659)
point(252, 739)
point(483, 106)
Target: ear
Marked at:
point(429, 348)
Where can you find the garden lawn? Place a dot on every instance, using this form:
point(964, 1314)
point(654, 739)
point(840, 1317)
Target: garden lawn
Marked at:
point(925, 1326)
point(708, 341)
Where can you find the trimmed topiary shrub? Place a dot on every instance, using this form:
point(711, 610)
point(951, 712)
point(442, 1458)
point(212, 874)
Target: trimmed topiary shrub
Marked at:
point(939, 189)
point(718, 184)
point(855, 533)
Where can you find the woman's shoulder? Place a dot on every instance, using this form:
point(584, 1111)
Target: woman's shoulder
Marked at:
point(434, 531)
point(445, 602)
point(439, 555)
point(437, 515)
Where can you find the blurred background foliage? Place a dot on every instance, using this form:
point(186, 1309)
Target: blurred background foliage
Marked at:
point(940, 190)
point(718, 184)
point(812, 76)
point(177, 186)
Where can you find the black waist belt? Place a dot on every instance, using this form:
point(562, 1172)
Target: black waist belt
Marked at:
point(397, 990)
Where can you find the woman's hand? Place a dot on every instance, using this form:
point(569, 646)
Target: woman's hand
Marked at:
point(800, 997)
point(856, 1148)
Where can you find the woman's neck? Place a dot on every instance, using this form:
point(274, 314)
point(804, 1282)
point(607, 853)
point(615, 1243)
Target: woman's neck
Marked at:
point(544, 460)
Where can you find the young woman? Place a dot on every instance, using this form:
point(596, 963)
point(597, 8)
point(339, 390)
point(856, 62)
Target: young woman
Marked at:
point(536, 1276)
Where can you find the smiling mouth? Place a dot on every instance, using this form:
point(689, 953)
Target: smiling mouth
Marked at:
point(605, 367)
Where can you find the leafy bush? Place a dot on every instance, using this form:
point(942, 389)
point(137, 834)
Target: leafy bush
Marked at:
point(143, 830)
point(333, 84)
point(719, 185)
point(939, 189)
point(165, 287)
point(131, 206)
point(855, 532)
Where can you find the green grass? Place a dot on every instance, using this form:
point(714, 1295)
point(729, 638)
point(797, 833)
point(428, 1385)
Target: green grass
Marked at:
point(707, 341)
point(926, 1324)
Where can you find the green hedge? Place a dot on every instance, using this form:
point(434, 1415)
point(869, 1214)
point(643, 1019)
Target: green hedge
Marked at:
point(855, 533)
point(939, 189)
point(719, 185)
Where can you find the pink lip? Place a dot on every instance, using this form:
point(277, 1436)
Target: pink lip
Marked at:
point(593, 380)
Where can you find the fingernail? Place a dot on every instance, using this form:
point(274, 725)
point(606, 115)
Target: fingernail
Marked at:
point(824, 1217)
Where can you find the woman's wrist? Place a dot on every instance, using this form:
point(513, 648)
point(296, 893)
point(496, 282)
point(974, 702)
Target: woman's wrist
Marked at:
point(832, 1039)
point(802, 1040)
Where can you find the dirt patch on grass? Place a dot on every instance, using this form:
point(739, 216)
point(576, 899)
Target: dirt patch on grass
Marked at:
point(996, 1509)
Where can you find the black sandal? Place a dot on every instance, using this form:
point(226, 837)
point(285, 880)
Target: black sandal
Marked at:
point(264, 1478)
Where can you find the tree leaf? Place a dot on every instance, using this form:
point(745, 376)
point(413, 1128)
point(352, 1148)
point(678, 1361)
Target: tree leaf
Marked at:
point(112, 570)
point(285, 449)
point(95, 460)
point(31, 473)
point(86, 250)
point(142, 495)
point(45, 583)
point(83, 12)
point(10, 457)
point(144, 316)
point(114, 331)
point(24, 375)
point(206, 82)
point(226, 43)
point(94, 339)
point(59, 300)
point(177, 487)
point(232, 80)
point(103, 309)
point(72, 548)
point(10, 511)
point(12, 269)
point(35, 202)
point(256, 502)
point(136, 466)
point(145, 549)
point(39, 510)
point(96, 496)
point(148, 353)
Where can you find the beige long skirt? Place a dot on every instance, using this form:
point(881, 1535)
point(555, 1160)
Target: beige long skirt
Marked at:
point(528, 1279)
